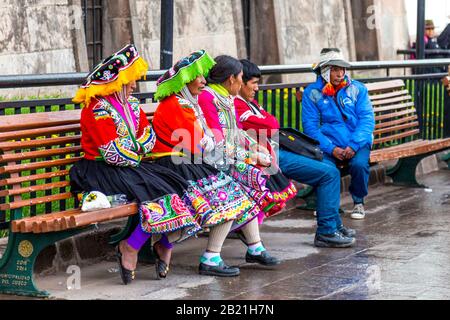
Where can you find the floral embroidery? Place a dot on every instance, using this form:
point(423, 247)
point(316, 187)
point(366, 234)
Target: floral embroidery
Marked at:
point(167, 214)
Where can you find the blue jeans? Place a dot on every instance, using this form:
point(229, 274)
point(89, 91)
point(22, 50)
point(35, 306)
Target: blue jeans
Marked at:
point(325, 177)
point(359, 169)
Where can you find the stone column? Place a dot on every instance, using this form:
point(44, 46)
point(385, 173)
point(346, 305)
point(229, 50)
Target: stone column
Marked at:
point(79, 38)
point(366, 35)
point(117, 26)
point(264, 38)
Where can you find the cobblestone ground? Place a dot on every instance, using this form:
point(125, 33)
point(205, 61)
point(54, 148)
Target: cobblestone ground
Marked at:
point(402, 252)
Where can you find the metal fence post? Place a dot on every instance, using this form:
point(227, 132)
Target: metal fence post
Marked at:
point(166, 34)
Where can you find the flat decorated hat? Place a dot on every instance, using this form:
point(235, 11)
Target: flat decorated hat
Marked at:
point(112, 74)
point(183, 72)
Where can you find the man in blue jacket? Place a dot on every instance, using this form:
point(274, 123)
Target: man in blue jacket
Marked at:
point(337, 112)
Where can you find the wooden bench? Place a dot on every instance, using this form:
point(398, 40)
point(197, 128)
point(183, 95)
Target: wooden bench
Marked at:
point(396, 136)
point(446, 84)
point(36, 153)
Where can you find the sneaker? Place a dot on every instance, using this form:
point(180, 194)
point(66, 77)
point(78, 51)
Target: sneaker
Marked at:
point(347, 231)
point(221, 270)
point(358, 212)
point(264, 258)
point(334, 240)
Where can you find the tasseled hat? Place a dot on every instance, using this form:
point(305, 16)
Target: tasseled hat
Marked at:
point(183, 72)
point(112, 74)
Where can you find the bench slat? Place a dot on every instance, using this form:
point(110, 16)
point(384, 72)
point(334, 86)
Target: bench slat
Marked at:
point(409, 149)
point(26, 224)
point(34, 201)
point(73, 218)
point(396, 128)
point(396, 136)
point(15, 145)
point(47, 175)
point(38, 165)
point(395, 122)
point(32, 133)
point(400, 146)
point(388, 95)
point(90, 217)
point(39, 120)
point(11, 157)
point(385, 85)
point(41, 187)
point(395, 114)
point(391, 100)
point(51, 119)
point(393, 107)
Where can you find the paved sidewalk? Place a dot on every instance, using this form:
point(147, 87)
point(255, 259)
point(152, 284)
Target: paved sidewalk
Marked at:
point(402, 252)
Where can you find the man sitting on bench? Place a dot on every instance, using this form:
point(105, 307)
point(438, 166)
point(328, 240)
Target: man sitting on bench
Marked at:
point(338, 113)
point(325, 177)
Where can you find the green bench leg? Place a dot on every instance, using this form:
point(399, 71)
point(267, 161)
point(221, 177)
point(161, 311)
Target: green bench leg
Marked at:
point(146, 253)
point(404, 172)
point(446, 158)
point(17, 263)
point(309, 196)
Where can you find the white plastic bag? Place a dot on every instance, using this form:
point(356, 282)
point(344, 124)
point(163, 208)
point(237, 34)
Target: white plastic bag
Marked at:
point(94, 200)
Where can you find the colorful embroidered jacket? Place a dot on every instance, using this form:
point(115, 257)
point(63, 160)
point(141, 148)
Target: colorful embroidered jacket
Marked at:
point(253, 116)
point(227, 130)
point(106, 135)
point(176, 125)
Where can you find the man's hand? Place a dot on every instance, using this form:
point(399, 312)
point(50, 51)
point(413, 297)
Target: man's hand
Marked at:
point(349, 153)
point(339, 153)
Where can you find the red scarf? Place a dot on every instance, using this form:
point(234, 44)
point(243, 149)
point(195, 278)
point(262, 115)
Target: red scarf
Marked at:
point(330, 90)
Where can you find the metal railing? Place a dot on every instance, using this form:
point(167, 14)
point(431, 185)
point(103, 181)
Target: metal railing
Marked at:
point(279, 99)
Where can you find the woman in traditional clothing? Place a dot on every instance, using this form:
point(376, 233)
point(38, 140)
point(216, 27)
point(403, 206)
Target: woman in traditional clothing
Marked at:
point(115, 136)
point(261, 125)
point(236, 153)
point(183, 138)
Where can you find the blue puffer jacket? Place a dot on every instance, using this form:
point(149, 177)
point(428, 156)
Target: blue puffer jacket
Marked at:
point(323, 121)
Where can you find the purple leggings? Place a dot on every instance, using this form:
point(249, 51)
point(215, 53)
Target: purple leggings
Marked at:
point(138, 238)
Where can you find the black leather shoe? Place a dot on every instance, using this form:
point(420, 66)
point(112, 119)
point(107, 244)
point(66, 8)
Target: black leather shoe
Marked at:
point(162, 268)
point(264, 258)
point(222, 270)
point(126, 275)
point(347, 231)
point(334, 240)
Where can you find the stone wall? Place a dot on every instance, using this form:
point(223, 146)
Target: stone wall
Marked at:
point(393, 28)
point(198, 24)
point(35, 37)
point(305, 27)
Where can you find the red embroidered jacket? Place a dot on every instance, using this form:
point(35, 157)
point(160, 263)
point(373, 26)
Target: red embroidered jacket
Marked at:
point(107, 137)
point(175, 124)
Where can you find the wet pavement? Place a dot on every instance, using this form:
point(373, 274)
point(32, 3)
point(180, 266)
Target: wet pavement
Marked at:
point(402, 252)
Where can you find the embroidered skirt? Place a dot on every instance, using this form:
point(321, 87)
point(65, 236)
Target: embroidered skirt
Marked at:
point(157, 190)
point(225, 199)
point(282, 190)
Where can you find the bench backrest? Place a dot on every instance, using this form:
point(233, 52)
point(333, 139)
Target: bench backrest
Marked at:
point(396, 118)
point(36, 153)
